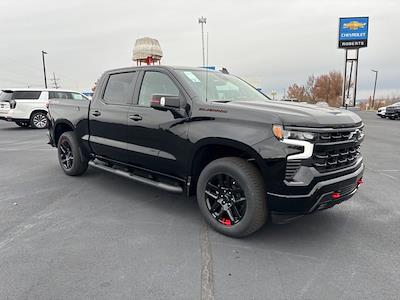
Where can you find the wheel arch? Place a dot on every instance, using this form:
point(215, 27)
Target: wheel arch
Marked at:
point(60, 127)
point(37, 110)
point(210, 149)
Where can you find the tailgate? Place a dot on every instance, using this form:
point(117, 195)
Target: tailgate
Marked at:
point(4, 107)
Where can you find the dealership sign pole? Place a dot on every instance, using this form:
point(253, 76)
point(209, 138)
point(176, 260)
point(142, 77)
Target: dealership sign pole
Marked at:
point(353, 35)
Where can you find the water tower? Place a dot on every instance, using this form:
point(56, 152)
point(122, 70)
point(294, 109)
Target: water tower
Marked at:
point(147, 50)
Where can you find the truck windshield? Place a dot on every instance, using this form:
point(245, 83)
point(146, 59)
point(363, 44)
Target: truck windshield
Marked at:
point(220, 87)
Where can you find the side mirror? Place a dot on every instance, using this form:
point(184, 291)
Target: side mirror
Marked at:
point(165, 102)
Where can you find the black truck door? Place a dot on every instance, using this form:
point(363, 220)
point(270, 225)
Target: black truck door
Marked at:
point(108, 115)
point(156, 139)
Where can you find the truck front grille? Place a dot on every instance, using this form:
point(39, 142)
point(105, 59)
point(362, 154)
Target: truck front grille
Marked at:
point(334, 149)
point(325, 161)
point(332, 137)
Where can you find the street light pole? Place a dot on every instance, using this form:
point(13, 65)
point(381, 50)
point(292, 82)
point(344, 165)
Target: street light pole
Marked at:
point(376, 78)
point(44, 69)
point(202, 21)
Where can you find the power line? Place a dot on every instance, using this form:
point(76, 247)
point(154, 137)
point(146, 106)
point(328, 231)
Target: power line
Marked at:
point(54, 81)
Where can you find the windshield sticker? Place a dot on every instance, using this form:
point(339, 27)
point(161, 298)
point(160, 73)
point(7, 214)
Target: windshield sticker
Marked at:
point(191, 76)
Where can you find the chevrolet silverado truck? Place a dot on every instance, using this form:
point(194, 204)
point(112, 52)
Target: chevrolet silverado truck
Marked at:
point(247, 159)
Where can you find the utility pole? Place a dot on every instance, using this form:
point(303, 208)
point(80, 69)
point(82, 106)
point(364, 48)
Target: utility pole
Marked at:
point(202, 21)
point(376, 79)
point(55, 81)
point(44, 69)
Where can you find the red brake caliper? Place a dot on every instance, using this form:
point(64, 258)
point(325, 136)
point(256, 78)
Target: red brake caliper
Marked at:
point(226, 222)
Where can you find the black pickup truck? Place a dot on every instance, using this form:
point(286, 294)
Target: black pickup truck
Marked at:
point(207, 133)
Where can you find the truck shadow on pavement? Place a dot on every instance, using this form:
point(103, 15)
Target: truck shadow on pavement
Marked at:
point(20, 129)
point(324, 227)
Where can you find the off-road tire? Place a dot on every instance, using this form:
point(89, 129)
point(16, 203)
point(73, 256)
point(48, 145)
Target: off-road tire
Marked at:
point(251, 181)
point(79, 163)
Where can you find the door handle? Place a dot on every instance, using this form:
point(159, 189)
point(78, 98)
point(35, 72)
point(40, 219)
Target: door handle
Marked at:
point(96, 113)
point(135, 118)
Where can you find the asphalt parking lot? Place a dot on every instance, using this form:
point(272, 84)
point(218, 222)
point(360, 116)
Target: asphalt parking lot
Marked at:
point(105, 237)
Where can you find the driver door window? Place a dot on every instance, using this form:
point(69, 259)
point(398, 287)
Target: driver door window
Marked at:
point(156, 83)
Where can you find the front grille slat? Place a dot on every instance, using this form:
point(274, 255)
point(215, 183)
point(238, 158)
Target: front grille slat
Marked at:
point(292, 166)
point(335, 159)
point(335, 150)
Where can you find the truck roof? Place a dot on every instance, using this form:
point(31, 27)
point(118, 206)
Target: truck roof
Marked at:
point(159, 67)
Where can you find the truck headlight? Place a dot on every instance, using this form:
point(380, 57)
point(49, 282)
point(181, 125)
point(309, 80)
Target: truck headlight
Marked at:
point(281, 134)
point(301, 140)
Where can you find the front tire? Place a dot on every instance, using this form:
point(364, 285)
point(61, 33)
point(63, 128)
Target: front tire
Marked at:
point(231, 196)
point(39, 120)
point(70, 156)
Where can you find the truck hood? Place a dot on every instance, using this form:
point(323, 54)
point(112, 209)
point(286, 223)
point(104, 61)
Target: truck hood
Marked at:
point(303, 115)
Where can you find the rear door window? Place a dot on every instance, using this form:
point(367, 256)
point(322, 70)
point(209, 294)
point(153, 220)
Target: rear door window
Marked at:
point(26, 95)
point(119, 89)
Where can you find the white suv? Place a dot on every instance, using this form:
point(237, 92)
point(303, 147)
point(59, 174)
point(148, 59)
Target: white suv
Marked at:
point(28, 107)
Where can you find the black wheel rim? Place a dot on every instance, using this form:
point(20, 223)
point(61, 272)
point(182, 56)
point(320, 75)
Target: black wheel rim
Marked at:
point(66, 156)
point(225, 199)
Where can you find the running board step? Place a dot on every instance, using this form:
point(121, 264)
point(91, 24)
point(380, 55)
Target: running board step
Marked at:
point(157, 184)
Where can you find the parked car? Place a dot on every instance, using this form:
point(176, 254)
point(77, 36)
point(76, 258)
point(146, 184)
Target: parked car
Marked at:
point(393, 111)
point(381, 112)
point(28, 107)
point(209, 134)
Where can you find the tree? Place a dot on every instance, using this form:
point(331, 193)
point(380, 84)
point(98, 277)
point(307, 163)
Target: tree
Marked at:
point(326, 87)
point(297, 92)
point(329, 88)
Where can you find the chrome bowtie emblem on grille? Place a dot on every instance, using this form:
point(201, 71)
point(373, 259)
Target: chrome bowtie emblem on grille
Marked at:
point(355, 133)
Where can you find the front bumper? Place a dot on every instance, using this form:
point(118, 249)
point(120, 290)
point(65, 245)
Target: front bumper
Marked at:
point(323, 192)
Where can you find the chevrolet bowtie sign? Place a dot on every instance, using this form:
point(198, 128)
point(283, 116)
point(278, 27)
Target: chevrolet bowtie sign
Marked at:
point(353, 32)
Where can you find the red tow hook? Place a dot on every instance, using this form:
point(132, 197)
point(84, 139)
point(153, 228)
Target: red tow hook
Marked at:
point(360, 181)
point(335, 195)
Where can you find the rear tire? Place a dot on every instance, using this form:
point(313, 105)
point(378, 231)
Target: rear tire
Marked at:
point(70, 156)
point(218, 198)
point(22, 123)
point(39, 120)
